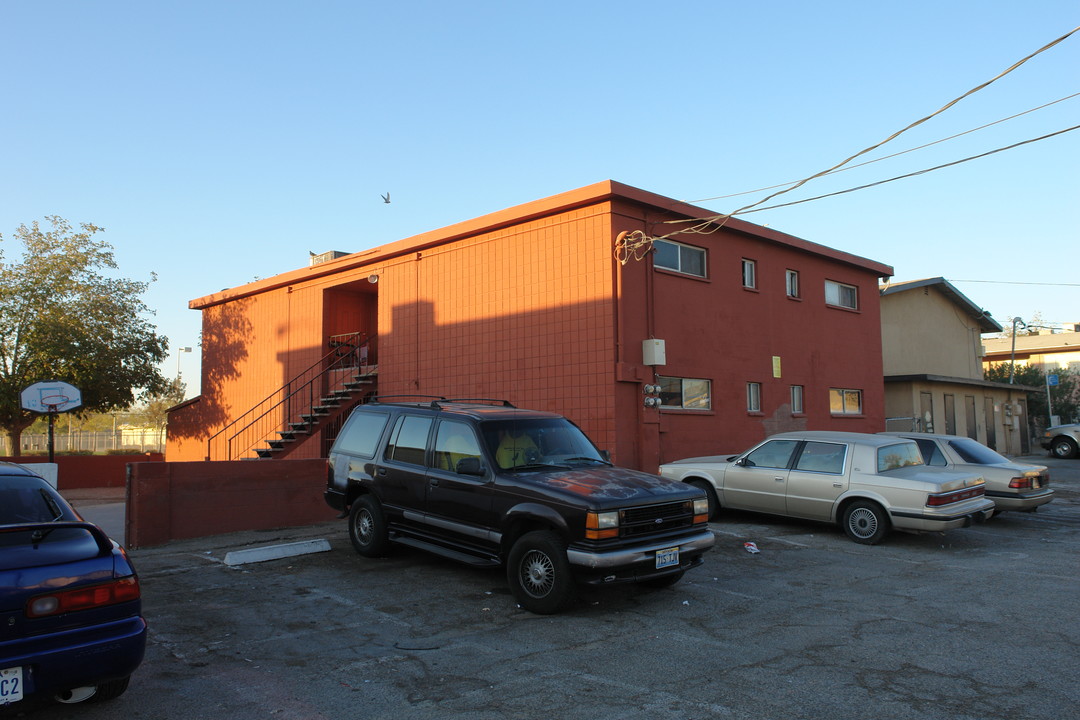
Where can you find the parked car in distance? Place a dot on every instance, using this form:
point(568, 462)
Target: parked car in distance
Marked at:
point(493, 485)
point(70, 604)
point(1063, 441)
point(868, 484)
point(1011, 485)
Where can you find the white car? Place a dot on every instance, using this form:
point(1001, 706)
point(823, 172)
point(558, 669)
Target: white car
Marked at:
point(1010, 484)
point(868, 484)
point(1063, 441)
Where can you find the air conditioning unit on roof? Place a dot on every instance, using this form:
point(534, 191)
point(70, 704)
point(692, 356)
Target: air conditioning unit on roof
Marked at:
point(320, 258)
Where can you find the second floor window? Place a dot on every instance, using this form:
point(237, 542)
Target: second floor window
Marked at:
point(678, 257)
point(841, 295)
point(793, 283)
point(749, 273)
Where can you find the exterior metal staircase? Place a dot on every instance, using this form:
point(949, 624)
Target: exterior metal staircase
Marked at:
point(316, 399)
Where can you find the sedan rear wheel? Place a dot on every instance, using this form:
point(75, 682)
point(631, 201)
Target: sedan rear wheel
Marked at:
point(865, 522)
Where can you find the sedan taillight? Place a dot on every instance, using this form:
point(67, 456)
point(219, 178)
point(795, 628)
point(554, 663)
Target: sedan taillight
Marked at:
point(1020, 483)
point(939, 499)
point(84, 598)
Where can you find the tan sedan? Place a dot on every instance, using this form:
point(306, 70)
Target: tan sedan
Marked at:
point(1010, 484)
point(868, 484)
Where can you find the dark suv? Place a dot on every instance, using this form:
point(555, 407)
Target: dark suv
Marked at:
point(490, 484)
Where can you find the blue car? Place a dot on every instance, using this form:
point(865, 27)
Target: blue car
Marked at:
point(71, 623)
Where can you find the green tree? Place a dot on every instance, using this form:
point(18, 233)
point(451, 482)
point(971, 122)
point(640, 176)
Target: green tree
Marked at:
point(1065, 396)
point(63, 318)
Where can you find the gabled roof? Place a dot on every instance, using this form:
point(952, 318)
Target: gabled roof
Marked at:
point(605, 191)
point(982, 317)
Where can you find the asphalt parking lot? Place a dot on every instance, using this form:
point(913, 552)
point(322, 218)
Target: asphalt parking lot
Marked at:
point(976, 623)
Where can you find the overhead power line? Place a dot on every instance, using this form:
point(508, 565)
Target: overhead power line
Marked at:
point(908, 175)
point(1016, 282)
point(702, 224)
point(896, 154)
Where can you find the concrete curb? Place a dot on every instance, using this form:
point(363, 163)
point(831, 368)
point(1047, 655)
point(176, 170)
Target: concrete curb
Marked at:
point(276, 552)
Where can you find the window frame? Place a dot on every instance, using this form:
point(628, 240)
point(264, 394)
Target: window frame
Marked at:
point(798, 404)
point(843, 394)
point(753, 397)
point(840, 287)
point(664, 395)
point(791, 284)
point(680, 247)
point(749, 279)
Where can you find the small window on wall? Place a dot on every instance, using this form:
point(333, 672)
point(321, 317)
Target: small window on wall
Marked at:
point(797, 400)
point(753, 397)
point(678, 257)
point(749, 274)
point(685, 393)
point(845, 402)
point(841, 295)
point(792, 281)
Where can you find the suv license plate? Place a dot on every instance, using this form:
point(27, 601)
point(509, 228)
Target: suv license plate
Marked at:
point(667, 558)
point(11, 689)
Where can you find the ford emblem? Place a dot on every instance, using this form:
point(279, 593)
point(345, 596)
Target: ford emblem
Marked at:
point(658, 520)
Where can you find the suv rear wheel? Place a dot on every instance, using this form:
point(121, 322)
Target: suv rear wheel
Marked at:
point(539, 573)
point(367, 527)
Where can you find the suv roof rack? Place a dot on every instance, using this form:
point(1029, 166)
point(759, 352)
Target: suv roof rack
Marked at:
point(416, 399)
point(478, 401)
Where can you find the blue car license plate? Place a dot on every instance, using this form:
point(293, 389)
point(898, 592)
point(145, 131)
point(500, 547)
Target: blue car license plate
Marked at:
point(11, 687)
point(667, 558)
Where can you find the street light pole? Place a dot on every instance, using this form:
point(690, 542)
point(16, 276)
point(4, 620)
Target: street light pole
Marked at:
point(1012, 355)
point(181, 350)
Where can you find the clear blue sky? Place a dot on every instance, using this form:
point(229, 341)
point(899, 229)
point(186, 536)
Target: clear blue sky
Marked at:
point(220, 142)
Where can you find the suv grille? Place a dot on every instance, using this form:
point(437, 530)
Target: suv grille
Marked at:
point(650, 519)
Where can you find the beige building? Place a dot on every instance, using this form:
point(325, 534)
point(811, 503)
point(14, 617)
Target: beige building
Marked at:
point(1050, 351)
point(931, 336)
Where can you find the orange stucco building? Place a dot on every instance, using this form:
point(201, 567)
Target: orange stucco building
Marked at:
point(574, 304)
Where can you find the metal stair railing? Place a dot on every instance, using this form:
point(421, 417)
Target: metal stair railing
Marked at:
point(303, 395)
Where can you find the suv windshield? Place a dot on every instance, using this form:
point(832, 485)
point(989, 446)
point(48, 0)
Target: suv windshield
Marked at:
point(538, 443)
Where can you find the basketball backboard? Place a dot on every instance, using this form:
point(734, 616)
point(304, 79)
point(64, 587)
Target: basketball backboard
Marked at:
point(51, 397)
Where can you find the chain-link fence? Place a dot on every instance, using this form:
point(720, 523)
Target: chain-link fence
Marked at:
point(132, 439)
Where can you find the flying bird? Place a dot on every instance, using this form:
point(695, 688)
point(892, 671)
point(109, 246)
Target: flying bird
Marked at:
point(385, 198)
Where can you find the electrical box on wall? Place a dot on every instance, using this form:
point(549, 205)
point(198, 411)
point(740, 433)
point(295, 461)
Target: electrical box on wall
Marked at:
point(653, 352)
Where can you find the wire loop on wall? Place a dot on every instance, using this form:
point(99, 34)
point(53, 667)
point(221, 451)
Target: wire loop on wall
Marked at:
point(632, 244)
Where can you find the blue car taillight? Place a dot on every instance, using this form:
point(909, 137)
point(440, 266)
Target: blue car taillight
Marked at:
point(84, 598)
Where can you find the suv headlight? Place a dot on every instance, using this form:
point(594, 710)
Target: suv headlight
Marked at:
point(601, 525)
point(701, 510)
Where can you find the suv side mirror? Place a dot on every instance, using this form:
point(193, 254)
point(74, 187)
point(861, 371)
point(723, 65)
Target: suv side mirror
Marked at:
point(470, 466)
point(605, 455)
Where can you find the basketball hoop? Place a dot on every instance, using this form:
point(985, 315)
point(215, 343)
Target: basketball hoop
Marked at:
point(51, 397)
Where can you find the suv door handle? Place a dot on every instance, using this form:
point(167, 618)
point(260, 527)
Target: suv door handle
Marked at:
point(381, 472)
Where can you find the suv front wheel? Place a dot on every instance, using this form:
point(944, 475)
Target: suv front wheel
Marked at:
point(539, 573)
point(367, 527)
